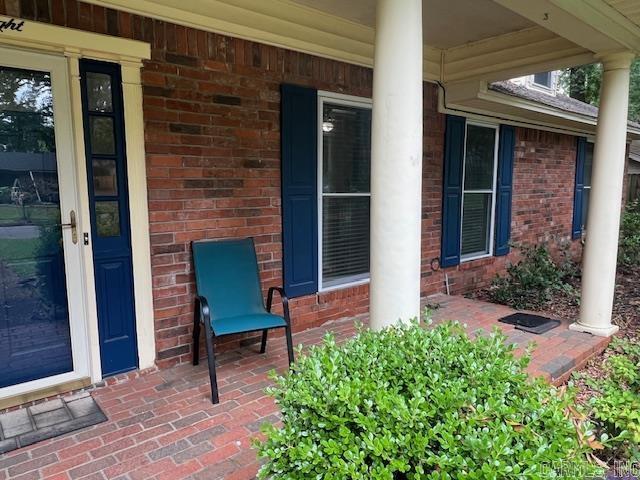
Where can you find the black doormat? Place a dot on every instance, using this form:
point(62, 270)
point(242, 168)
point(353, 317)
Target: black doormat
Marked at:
point(19, 428)
point(530, 323)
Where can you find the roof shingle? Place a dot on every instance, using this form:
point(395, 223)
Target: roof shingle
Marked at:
point(558, 101)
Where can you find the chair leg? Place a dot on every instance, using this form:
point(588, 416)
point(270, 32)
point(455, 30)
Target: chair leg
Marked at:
point(211, 359)
point(196, 335)
point(263, 345)
point(289, 344)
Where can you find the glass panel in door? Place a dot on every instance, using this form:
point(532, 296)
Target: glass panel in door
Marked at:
point(34, 319)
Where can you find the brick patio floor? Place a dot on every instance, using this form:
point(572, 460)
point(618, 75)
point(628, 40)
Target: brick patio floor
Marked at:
point(163, 426)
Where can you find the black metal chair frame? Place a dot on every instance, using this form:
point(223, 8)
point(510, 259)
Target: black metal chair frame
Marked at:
point(202, 314)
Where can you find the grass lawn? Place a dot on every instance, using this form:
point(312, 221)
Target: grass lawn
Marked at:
point(13, 249)
point(30, 214)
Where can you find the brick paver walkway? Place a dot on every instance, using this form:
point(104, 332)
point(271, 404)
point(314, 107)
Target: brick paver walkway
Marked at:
point(163, 426)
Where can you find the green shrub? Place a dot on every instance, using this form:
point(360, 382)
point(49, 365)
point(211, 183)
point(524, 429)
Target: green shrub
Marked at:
point(533, 281)
point(629, 250)
point(617, 406)
point(415, 403)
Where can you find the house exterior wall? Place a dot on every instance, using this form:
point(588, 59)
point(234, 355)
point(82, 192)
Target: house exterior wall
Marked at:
point(212, 132)
point(542, 208)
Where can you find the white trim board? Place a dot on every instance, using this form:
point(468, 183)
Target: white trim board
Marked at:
point(43, 36)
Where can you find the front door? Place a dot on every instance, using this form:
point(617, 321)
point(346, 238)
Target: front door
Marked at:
point(109, 206)
point(42, 317)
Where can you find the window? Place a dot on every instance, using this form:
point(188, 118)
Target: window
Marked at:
point(478, 193)
point(633, 191)
point(582, 193)
point(543, 79)
point(344, 169)
point(586, 189)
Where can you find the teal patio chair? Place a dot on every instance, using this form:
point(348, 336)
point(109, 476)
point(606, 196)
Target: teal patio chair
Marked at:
point(229, 298)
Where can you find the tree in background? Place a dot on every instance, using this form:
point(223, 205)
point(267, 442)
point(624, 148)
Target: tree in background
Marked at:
point(583, 83)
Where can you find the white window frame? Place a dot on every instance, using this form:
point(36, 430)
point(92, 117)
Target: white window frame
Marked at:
point(541, 86)
point(477, 256)
point(348, 101)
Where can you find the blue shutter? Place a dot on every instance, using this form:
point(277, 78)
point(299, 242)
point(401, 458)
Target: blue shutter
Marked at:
point(506, 148)
point(452, 190)
point(299, 189)
point(576, 230)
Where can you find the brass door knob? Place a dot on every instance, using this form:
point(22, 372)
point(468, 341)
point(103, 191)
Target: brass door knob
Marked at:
point(73, 225)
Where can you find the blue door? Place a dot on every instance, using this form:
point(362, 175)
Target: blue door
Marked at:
point(109, 204)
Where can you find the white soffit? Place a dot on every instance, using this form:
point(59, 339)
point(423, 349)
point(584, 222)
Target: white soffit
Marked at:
point(628, 8)
point(597, 25)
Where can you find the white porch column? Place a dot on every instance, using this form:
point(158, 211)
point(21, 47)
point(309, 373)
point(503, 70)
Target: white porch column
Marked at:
point(396, 163)
point(603, 221)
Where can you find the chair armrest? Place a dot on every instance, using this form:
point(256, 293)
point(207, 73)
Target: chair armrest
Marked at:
point(203, 305)
point(285, 302)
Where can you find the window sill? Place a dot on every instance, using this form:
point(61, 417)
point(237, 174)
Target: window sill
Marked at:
point(345, 285)
point(475, 257)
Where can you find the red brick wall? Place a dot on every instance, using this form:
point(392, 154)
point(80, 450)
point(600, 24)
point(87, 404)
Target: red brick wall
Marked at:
point(211, 111)
point(211, 106)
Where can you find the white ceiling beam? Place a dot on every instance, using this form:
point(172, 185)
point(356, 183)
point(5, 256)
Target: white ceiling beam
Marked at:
point(514, 54)
point(277, 22)
point(592, 24)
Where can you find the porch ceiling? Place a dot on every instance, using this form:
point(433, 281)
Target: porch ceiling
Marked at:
point(628, 8)
point(447, 23)
point(602, 26)
point(465, 40)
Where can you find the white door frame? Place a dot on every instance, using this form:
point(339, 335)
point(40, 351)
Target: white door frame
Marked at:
point(56, 65)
